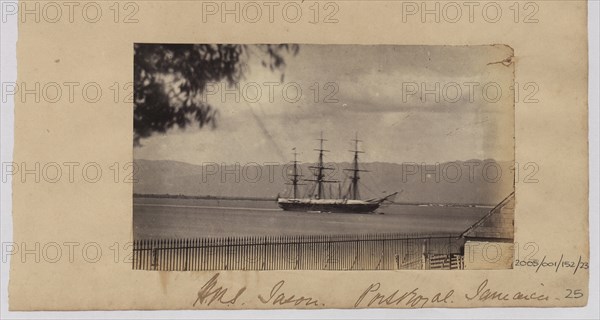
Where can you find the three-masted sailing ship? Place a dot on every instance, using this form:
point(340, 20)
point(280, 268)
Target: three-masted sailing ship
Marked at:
point(316, 200)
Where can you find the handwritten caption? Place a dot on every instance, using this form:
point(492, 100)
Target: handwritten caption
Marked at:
point(376, 294)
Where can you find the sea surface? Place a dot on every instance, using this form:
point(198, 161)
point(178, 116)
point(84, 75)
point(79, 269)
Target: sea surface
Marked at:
point(155, 218)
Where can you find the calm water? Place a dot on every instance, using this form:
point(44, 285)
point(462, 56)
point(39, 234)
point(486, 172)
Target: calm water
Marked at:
point(189, 218)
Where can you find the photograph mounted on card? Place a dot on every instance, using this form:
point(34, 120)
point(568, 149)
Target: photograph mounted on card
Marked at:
point(382, 160)
point(270, 184)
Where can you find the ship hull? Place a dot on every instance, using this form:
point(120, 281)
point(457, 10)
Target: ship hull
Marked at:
point(327, 207)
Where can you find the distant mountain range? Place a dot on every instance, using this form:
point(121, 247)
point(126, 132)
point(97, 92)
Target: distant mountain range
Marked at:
point(460, 182)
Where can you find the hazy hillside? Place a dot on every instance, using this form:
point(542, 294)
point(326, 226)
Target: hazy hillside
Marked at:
point(418, 182)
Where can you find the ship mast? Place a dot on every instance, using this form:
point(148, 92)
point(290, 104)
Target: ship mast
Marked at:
point(353, 191)
point(295, 175)
point(320, 168)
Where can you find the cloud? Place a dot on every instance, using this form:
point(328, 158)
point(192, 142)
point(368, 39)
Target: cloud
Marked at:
point(370, 98)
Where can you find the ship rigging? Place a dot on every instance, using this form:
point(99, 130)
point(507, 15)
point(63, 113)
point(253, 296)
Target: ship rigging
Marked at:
point(316, 200)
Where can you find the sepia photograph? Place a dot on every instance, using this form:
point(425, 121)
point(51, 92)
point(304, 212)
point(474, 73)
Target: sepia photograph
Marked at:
point(299, 159)
point(323, 157)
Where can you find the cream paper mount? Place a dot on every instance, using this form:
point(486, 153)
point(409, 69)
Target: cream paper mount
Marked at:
point(164, 155)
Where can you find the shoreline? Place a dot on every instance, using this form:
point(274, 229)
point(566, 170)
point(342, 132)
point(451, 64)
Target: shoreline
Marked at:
point(209, 197)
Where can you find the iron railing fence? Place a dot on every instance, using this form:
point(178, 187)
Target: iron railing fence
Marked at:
point(304, 252)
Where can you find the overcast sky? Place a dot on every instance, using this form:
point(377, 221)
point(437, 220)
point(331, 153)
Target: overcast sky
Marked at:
point(375, 91)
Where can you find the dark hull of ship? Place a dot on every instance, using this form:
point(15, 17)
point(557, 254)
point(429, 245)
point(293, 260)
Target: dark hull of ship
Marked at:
point(334, 208)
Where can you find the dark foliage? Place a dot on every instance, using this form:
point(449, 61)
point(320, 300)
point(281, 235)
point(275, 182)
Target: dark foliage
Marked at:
point(170, 78)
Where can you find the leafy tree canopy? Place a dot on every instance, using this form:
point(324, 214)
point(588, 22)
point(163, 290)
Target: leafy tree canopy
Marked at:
point(169, 80)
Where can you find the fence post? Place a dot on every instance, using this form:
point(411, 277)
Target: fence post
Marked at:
point(186, 244)
point(297, 240)
point(424, 255)
point(264, 253)
point(355, 262)
point(383, 253)
point(226, 252)
point(154, 256)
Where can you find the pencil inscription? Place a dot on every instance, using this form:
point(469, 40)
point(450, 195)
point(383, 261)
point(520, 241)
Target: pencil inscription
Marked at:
point(210, 293)
point(411, 298)
point(278, 297)
point(485, 293)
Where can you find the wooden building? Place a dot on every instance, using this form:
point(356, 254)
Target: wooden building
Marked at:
point(489, 242)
